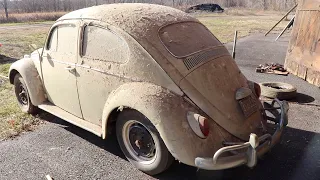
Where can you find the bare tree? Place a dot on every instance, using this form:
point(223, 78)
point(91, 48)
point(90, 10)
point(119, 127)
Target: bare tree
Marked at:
point(21, 6)
point(4, 4)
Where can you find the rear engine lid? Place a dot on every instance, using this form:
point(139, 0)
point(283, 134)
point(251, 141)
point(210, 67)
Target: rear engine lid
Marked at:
point(219, 88)
point(211, 78)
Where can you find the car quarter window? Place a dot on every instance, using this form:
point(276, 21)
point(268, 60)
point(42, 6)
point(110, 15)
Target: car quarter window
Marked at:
point(53, 40)
point(104, 45)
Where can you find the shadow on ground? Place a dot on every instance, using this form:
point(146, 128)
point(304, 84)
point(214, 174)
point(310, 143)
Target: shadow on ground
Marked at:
point(302, 98)
point(5, 59)
point(295, 157)
point(110, 144)
point(296, 152)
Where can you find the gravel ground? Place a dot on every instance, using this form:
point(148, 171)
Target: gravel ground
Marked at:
point(67, 152)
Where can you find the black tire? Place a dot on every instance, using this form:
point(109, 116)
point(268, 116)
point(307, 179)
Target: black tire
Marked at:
point(162, 158)
point(282, 91)
point(22, 95)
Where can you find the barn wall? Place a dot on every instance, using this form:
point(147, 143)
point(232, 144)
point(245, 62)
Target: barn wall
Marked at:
point(303, 56)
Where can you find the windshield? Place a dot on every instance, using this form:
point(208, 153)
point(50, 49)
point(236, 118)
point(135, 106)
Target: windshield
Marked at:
point(183, 39)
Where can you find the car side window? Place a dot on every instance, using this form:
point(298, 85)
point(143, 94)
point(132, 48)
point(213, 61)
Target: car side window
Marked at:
point(104, 45)
point(53, 40)
point(67, 39)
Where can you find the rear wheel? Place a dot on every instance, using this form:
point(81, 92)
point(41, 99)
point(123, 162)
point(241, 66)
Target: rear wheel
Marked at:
point(141, 143)
point(22, 95)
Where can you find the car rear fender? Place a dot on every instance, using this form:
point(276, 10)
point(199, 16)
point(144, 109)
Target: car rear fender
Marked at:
point(168, 112)
point(26, 68)
point(149, 99)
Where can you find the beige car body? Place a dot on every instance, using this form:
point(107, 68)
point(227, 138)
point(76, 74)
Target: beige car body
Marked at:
point(140, 72)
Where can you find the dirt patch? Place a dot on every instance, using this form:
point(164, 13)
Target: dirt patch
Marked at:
point(4, 59)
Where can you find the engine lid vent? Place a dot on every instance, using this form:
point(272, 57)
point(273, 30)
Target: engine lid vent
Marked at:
point(200, 58)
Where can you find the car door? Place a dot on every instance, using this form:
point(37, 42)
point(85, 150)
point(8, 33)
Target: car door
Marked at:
point(100, 69)
point(59, 60)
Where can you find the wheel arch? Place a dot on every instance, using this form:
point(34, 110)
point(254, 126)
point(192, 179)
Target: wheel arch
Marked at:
point(12, 74)
point(166, 110)
point(26, 68)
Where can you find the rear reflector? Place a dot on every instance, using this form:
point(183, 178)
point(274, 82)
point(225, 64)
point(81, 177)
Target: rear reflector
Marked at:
point(204, 126)
point(257, 89)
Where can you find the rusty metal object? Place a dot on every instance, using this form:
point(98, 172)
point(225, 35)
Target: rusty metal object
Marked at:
point(273, 68)
point(303, 52)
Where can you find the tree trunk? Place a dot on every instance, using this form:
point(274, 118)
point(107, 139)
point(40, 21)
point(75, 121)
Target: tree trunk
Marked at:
point(5, 6)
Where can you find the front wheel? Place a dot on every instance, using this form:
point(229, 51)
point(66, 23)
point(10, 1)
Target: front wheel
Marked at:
point(22, 95)
point(141, 143)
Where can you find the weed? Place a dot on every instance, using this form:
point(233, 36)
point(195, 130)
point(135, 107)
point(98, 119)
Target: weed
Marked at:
point(31, 17)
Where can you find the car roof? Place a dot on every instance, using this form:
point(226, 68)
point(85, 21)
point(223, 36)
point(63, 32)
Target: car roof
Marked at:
point(134, 18)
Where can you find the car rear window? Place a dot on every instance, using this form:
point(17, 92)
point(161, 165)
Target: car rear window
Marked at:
point(183, 39)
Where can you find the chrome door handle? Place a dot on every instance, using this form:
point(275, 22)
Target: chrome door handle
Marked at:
point(69, 68)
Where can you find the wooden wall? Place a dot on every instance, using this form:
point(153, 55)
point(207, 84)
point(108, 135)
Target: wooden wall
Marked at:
point(303, 56)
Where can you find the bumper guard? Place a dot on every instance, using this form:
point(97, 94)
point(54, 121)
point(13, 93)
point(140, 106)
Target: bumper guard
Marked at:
point(251, 150)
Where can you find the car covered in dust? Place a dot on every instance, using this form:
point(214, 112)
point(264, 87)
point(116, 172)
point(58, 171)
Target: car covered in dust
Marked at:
point(158, 77)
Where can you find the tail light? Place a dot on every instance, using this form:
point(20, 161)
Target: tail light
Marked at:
point(198, 124)
point(204, 126)
point(255, 88)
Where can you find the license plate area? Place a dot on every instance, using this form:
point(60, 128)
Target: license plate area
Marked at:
point(249, 105)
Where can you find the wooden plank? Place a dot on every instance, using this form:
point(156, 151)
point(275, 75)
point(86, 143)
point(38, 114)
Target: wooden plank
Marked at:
point(303, 55)
point(309, 5)
point(281, 19)
point(313, 77)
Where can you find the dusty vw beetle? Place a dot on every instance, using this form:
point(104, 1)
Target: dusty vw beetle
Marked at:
point(170, 87)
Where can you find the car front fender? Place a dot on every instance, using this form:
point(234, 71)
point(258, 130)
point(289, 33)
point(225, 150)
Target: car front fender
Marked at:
point(26, 68)
point(168, 113)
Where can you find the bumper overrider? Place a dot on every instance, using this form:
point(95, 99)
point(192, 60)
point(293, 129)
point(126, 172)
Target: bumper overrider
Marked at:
point(247, 153)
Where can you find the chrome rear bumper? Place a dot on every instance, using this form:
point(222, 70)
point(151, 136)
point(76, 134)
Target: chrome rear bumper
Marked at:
point(250, 151)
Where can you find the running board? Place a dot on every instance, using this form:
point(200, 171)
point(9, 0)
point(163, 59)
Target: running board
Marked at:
point(52, 109)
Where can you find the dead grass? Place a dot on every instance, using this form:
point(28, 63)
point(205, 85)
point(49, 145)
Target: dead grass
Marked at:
point(31, 17)
point(223, 25)
point(15, 45)
point(12, 120)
